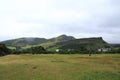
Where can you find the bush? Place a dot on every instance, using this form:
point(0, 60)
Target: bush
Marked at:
point(4, 50)
point(38, 50)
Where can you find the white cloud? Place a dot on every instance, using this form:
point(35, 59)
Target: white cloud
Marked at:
point(48, 18)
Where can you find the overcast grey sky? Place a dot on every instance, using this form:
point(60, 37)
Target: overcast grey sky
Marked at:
point(50, 18)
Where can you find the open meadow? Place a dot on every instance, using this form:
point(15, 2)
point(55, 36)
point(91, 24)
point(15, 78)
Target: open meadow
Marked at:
point(60, 67)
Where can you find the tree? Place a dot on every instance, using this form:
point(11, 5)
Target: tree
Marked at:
point(38, 50)
point(90, 49)
point(4, 50)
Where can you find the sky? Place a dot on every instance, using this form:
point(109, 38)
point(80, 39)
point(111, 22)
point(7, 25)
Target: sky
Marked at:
point(51, 18)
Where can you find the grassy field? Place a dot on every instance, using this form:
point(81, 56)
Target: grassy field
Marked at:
point(60, 67)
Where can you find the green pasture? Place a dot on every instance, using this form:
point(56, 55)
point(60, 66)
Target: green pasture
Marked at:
point(60, 67)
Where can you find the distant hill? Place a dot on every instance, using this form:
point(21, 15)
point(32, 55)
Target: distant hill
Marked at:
point(95, 43)
point(36, 41)
point(115, 45)
point(60, 42)
point(61, 38)
point(24, 41)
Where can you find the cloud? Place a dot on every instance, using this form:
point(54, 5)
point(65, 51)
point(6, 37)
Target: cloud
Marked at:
point(49, 18)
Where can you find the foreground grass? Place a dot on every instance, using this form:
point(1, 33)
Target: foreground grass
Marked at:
point(60, 67)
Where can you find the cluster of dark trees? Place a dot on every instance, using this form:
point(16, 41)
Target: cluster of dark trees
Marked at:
point(88, 51)
point(4, 50)
point(115, 50)
point(33, 50)
point(40, 50)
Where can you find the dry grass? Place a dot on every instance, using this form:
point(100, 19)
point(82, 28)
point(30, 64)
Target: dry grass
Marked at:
point(60, 67)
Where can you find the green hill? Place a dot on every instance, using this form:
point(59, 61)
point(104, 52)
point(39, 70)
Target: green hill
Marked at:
point(23, 42)
point(77, 44)
point(60, 42)
point(61, 38)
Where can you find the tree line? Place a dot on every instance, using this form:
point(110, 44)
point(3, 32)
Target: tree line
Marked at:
point(41, 50)
point(33, 50)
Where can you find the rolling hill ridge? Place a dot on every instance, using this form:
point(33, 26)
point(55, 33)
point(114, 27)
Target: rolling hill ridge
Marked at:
point(60, 42)
point(35, 41)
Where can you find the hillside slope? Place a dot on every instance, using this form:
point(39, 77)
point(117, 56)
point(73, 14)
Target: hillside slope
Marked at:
point(35, 41)
point(60, 42)
point(24, 41)
point(94, 43)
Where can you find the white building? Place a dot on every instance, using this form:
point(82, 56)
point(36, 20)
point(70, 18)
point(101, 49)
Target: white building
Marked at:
point(57, 50)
